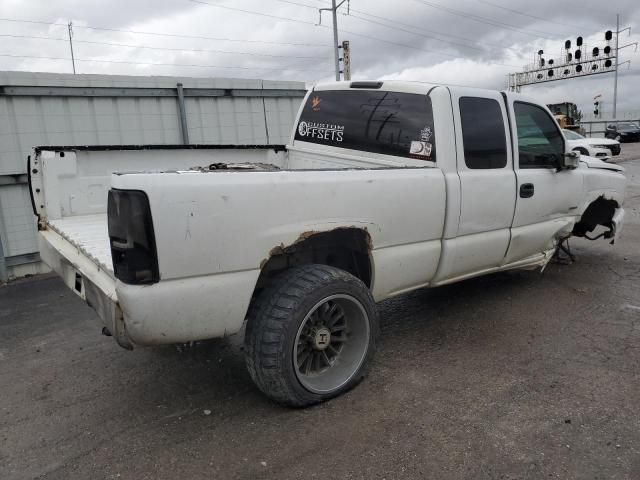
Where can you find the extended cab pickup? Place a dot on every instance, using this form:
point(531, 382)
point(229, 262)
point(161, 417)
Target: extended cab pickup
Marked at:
point(382, 189)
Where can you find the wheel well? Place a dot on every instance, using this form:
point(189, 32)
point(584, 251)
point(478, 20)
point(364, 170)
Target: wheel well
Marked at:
point(345, 248)
point(599, 212)
point(582, 150)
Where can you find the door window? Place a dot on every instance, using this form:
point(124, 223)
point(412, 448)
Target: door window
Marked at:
point(540, 143)
point(483, 137)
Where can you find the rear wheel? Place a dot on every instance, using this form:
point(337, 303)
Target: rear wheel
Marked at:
point(310, 335)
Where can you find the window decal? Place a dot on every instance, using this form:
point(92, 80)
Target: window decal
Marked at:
point(388, 123)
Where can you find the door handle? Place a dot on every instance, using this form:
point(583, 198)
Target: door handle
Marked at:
point(526, 190)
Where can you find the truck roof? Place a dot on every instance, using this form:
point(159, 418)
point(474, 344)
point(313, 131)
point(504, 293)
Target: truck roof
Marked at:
point(420, 88)
point(404, 86)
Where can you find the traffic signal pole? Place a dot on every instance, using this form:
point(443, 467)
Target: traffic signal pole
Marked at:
point(615, 77)
point(617, 64)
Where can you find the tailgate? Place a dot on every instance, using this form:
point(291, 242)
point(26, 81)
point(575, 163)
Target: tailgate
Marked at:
point(86, 277)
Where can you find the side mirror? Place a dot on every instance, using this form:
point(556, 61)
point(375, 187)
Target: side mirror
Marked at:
point(570, 160)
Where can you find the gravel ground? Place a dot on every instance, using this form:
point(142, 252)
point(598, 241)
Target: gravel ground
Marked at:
point(512, 376)
point(628, 151)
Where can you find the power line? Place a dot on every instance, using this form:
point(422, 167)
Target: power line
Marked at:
point(160, 48)
point(415, 33)
point(396, 23)
point(369, 37)
point(517, 12)
point(252, 12)
point(236, 40)
point(419, 28)
point(488, 21)
point(198, 50)
point(404, 30)
point(33, 37)
point(489, 45)
point(458, 12)
point(434, 38)
point(163, 34)
point(128, 62)
point(314, 24)
point(382, 24)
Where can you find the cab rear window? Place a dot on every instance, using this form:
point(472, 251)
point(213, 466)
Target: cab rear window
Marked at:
point(390, 123)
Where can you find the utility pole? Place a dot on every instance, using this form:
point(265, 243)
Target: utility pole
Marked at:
point(73, 61)
point(334, 12)
point(335, 38)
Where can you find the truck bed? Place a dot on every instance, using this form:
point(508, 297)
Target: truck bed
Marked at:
point(89, 234)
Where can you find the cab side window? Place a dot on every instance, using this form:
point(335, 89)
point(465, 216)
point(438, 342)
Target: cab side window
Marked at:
point(485, 144)
point(540, 143)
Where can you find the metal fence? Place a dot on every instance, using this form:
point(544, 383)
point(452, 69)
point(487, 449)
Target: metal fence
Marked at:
point(597, 128)
point(60, 109)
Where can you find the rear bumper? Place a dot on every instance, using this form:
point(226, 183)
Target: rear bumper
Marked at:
point(186, 309)
point(170, 311)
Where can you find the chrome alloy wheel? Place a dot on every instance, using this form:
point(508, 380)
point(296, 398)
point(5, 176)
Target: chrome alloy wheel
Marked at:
point(331, 343)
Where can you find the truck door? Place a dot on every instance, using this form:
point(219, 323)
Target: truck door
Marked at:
point(487, 185)
point(547, 197)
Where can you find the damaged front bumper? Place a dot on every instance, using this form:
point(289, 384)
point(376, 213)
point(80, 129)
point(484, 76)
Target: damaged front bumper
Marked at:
point(617, 222)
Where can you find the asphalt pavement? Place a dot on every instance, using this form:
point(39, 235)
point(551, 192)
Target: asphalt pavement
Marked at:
point(517, 375)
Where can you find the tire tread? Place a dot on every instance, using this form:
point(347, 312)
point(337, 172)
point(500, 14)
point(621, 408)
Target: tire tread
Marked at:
point(270, 314)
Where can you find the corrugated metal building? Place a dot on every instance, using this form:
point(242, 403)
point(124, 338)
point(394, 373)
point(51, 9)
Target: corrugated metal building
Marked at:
point(61, 109)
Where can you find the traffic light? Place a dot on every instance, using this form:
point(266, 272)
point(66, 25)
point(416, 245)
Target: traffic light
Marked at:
point(596, 108)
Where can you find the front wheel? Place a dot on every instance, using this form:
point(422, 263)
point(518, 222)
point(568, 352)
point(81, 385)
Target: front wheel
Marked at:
point(582, 151)
point(310, 335)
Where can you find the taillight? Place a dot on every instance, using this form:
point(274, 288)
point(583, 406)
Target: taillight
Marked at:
point(133, 243)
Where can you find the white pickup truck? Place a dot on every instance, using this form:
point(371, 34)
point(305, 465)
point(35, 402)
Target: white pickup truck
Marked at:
point(383, 188)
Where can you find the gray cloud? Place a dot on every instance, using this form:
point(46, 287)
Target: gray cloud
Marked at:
point(477, 45)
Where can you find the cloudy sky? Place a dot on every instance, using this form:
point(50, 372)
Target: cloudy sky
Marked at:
point(463, 42)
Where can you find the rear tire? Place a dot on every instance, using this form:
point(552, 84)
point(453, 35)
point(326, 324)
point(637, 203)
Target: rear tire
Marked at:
point(311, 335)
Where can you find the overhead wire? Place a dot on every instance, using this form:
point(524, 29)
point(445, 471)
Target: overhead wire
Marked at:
point(164, 34)
point(422, 29)
point(369, 37)
point(296, 20)
point(75, 40)
point(130, 62)
point(379, 23)
point(453, 11)
point(518, 12)
point(488, 21)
